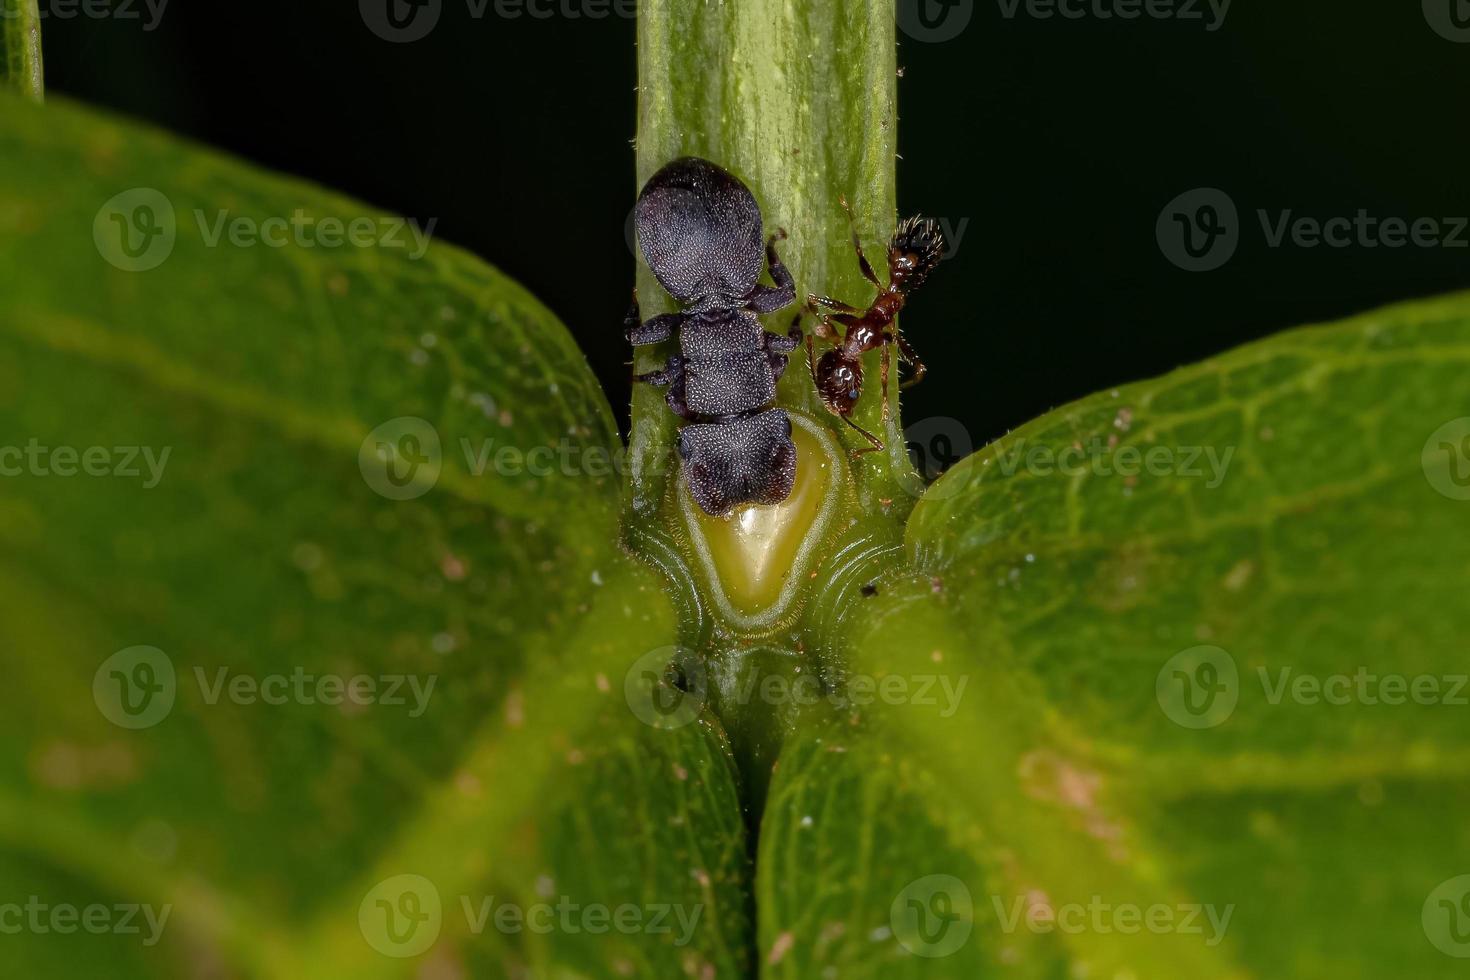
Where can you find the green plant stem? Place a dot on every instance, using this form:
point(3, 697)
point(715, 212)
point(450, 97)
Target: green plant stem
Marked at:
point(22, 31)
point(797, 98)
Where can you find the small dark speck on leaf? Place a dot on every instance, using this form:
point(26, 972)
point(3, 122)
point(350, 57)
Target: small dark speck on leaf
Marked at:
point(870, 590)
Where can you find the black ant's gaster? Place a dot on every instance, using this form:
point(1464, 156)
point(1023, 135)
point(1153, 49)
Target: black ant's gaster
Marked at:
point(914, 250)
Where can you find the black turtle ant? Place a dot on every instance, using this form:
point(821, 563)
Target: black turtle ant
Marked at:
point(700, 231)
point(914, 250)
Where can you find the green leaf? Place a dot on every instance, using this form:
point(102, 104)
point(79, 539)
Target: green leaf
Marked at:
point(201, 459)
point(20, 27)
point(1077, 772)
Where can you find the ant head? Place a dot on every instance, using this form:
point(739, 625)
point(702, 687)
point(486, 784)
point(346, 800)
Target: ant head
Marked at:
point(914, 250)
point(839, 382)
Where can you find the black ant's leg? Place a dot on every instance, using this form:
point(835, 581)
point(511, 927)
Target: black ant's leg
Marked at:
point(769, 299)
point(784, 343)
point(654, 331)
point(675, 398)
point(671, 375)
point(656, 378)
point(857, 246)
point(912, 358)
point(877, 444)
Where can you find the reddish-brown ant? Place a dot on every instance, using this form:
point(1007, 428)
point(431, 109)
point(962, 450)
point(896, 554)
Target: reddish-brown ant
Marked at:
point(914, 250)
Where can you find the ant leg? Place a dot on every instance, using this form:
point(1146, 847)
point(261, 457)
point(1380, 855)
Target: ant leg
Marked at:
point(633, 317)
point(828, 303)
point(675, 399)
point(877, 444)
point(777, 363)
point(656, 378)
point(885, 361)
point(783, 344)
point(769, 299)
point(908, 354)
point(811, 361)
point(670, 373)
point(656, 330)
point(823, 328)
point(857, 245)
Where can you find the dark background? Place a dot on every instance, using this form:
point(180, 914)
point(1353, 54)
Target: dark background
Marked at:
point(1057, 142)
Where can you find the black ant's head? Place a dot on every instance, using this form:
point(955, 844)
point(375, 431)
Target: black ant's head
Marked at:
point(839, 382)
point(914, 250)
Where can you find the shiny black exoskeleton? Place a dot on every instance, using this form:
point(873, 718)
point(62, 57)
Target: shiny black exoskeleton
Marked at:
point(700, 231)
